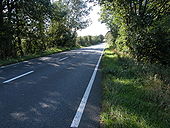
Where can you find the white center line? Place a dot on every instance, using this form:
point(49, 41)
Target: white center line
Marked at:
point(80, 110)
point(63, 59)
point(7, 81)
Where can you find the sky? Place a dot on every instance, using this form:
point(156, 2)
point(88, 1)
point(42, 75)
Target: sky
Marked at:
point(96, 28)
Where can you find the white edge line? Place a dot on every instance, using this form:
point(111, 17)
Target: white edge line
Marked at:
point(63, 59)
point(7, 81)
point(80, 110)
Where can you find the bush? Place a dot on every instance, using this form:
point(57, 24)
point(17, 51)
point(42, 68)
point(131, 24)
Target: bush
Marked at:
point(89, 40)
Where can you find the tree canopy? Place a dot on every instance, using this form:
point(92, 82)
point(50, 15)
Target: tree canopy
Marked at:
point(30, 26)
point(139, 27)
point(142, 27)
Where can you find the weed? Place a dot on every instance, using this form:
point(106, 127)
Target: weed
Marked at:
point(135, 95)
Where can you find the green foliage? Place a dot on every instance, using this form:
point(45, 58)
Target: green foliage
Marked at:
point(32, 26)
point(135, 95)
point(142, 25)
point(67, 19)
point(110, 38)
point(152, 45)
point(89, 40)
point(22, 20)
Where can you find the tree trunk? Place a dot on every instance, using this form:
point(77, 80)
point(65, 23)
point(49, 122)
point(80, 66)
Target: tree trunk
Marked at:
point(140, 6)
point(1, 30)
point(20, 47)
point(18, 32)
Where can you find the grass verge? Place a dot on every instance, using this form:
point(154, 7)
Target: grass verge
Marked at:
point(31, 56)
point(135, 95)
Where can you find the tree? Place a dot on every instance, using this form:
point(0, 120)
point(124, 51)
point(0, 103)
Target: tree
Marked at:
point(138, 23)
point(32, 26)
point(22, 20)
point(68, 17)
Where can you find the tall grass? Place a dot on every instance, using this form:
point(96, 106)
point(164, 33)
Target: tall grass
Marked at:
point(135, 95)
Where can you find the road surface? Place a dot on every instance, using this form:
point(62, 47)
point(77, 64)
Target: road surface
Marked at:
point(52, 91)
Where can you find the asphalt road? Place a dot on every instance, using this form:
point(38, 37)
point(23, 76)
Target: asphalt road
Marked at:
point(46, 92)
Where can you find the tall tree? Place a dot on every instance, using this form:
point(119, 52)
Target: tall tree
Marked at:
point(30, 26)
point(139, 26)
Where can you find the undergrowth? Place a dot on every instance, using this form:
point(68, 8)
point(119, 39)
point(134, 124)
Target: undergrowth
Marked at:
point(135, 95)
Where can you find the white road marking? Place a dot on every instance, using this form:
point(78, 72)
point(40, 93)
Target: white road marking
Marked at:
point(63, 59)
point(10, 65)
point(1, 67)
point(80, 110)
point(7, 81)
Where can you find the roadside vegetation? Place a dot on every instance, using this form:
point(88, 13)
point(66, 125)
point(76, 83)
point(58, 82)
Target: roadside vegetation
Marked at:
point(89, 40)
point(80, 42)
point(35, 28)
point(136, 66)
point(139, 27)
point(135, 95)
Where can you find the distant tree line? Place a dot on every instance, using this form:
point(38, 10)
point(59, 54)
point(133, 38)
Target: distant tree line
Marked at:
point(31, 26)
point(140, 27)
point(89, 40)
